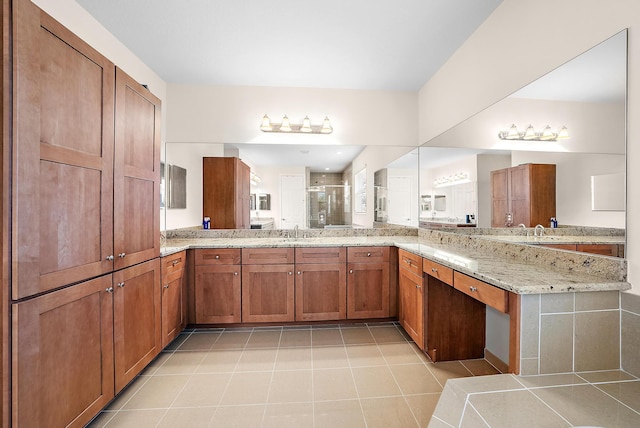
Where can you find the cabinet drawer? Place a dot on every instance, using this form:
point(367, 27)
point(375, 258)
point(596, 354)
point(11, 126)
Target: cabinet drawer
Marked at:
point(486, 293)
point(368, 254)
point(443, 273)
point(267, 256)
point(321, 255)
point(217, 256)
point(411, 262)
point(172, 263)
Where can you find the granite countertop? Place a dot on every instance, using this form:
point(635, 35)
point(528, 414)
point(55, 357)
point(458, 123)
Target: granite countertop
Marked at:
point(508, 273)
point(558, 239)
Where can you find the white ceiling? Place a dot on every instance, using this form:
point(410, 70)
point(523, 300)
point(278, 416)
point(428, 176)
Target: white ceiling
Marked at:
point(355, 44)
point(316, 157)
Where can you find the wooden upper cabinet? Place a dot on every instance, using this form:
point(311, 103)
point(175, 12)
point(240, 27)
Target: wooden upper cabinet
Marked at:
point(526, 192)
point(63, 355)
point(136, 173)
point(62, 155)
point(226, 192)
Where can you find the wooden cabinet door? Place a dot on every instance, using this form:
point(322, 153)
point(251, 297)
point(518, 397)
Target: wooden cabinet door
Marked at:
point(63, 355)
point(217, 294)
point(368, 290)
point(268, 293)
point(321, 291)
point(411, 313)
point(173, 296)
point(136, 181)
point(499, 197)
point(173, 314)
point(136, 319)
point(63, 156)
point(519, 193)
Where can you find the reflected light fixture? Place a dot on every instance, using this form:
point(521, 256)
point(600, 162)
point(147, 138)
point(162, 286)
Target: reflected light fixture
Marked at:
point(287, 127)
point(530, 134)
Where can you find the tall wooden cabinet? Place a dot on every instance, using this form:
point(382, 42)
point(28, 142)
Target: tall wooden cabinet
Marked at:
point(63, 156)
point(63, 367)
point(226, 192)
point(85, 273)
point(524, 194)
point(136, 185)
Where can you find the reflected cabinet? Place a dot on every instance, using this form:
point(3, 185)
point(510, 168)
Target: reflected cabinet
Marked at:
point(524, 194)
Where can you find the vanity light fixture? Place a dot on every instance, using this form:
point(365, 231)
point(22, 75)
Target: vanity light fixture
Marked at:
point(451, 179)
point(287, 127)
point(530, 134)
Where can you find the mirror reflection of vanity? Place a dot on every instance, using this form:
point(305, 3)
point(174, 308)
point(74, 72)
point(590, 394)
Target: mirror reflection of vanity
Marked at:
point(587, 95)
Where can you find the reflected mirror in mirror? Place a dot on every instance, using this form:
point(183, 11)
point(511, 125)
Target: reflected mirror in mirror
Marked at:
point(396, 191)
point(588, 96)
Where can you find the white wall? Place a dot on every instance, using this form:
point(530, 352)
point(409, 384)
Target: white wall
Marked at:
point(232, 114)
point(189, 156)
point(477, 75)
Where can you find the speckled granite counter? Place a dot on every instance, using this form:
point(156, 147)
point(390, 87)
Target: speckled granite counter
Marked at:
point(559, 239)
point(517, 268)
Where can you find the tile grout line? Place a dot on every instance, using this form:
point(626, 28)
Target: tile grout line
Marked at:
point(171, 352)
point(355, 384)
point(273, 371)
point(394, 377)
point(233, 372)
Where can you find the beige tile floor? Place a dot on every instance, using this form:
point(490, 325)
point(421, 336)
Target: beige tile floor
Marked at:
point(365, 375)
point(609, 398)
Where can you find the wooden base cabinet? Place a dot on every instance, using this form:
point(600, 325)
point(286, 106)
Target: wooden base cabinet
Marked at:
point(217, 286)
point(268, 285)
point(63, 355)
point(173, 296)
point(367, 282)
point(411, 310)
point(321, 284)
point(136, 319)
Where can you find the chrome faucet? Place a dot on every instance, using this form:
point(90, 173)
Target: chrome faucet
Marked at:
point(522, 225)
point(539, 230)
point(295, 231)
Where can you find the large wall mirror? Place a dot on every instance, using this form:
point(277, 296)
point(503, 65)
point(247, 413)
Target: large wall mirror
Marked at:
point(328, 199)
point(588, 96)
